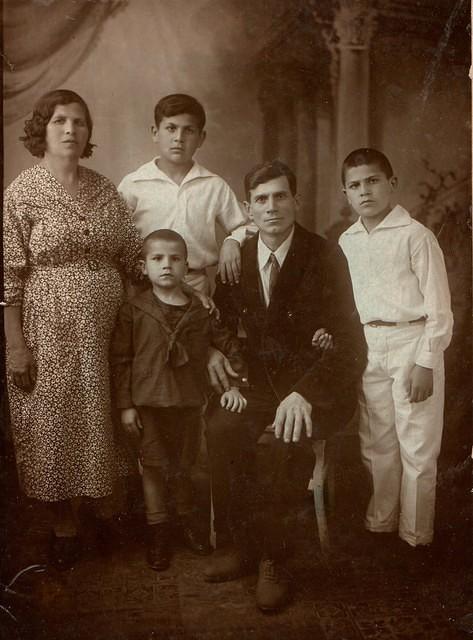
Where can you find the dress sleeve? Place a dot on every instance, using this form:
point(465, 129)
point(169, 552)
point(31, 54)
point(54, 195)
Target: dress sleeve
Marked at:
point(121, 357)
point(131, 246)
point(16, 236)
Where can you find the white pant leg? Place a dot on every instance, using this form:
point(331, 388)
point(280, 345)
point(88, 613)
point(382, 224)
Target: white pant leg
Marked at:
point(378, 438)
point(419, 429)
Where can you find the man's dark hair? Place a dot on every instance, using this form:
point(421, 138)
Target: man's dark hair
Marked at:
point(268, 171)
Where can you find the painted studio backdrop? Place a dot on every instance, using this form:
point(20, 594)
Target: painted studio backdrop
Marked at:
point(305, 81)
point(302, 80)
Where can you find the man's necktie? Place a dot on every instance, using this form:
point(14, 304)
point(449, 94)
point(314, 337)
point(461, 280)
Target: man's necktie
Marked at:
point(273, 273)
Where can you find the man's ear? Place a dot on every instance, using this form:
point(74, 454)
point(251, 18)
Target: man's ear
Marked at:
point(247, 206)
point(154, 132)
point(203, 135)
point(393, 182)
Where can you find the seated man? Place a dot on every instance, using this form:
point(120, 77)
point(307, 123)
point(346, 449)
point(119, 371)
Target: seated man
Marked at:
point(292, 283)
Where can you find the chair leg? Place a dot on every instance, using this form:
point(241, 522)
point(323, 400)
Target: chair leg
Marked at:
point(318, 482)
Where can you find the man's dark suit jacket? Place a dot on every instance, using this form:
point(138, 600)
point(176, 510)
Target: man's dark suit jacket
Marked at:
point(313, 290)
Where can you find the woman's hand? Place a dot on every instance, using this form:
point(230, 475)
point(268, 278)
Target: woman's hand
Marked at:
point(232, 400)
point(22, 368)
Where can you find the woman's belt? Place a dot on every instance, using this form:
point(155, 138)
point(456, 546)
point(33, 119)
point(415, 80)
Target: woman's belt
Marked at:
point(94, 264)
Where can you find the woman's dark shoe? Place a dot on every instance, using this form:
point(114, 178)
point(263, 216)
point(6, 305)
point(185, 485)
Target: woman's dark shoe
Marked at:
point(64, 552)
point(158, 552)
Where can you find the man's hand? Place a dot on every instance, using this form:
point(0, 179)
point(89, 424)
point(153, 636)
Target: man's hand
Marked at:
point(22, 368)
point(219, 369)
point(229, 261)
point(322, 340)
point(292, 415)
point(131, 422)
point(232, 400)
point(421, 383)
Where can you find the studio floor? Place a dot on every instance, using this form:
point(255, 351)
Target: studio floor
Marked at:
point(363, 590)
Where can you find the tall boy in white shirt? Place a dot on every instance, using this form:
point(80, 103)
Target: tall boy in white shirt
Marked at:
point(402, 296)
point(172, 191)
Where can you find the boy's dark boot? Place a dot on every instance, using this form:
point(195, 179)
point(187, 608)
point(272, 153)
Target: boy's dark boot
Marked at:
point(195, 537)
point(272, 588)
point(158, 552)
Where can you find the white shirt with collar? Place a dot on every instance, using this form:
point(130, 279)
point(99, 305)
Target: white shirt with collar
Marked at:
point(263, 264)
point(398, 274)
point(191, 208)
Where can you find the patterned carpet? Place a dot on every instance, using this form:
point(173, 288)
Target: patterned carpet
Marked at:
point(365, 590)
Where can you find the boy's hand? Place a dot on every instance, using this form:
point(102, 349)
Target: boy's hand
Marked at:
point(421, 383)
point(293, 413)
point(232, 400)
point(229, 262)
point(131, 422)
point(219, 369)
point(322, 340)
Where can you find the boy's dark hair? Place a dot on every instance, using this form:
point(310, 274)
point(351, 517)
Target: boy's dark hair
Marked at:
point(268, 171)
point(168, 235)
point(366, 155)
point(35, 129)
point(176, 104)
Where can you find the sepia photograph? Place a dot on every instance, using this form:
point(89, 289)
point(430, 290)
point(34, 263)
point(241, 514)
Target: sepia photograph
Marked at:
point(236, 294)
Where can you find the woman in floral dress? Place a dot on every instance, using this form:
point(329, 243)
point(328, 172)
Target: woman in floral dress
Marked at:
point(68, 240)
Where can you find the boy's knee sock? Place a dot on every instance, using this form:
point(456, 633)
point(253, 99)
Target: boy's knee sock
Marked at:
point(155, 494)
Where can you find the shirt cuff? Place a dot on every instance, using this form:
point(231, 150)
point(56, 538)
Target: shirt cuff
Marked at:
point(428, 359)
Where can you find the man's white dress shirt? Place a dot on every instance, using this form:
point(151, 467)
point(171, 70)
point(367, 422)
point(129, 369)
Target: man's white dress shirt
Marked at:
point(264, 264)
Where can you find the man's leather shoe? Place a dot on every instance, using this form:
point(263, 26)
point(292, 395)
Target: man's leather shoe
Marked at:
point(64, 552)
point(158, 552)
point(272, 588)
point(195, 539)
point(226, 564)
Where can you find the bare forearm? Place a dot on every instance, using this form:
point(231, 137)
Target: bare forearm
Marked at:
point(13, 327)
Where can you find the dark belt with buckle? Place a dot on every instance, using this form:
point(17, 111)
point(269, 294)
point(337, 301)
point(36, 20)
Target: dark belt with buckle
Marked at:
point(384, 323)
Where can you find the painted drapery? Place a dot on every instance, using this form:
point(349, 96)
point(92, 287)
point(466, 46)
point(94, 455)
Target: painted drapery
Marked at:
point(45, 40)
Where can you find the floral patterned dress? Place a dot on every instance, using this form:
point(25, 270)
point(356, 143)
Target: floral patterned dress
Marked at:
point(64, 260)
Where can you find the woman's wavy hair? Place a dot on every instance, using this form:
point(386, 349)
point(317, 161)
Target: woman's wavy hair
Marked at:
point(35, 129)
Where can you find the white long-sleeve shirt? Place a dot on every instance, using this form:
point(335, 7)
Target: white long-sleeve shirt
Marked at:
point(191, 208)
point(398, 274)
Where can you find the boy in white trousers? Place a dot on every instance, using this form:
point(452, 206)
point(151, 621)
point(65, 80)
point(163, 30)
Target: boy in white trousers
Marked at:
point(402, 296)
